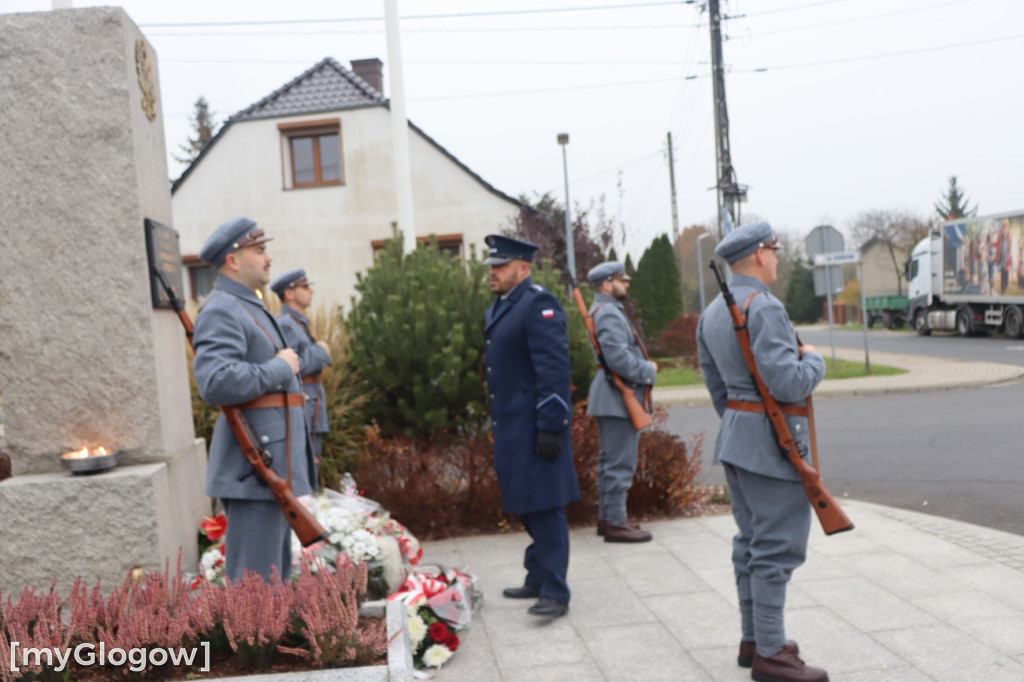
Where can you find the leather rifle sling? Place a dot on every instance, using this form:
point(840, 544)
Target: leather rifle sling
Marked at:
point(287, 412)
point(810, 420)
point(812, 436)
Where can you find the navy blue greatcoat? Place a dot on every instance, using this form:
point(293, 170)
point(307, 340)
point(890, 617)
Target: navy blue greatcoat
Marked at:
point(527, 356)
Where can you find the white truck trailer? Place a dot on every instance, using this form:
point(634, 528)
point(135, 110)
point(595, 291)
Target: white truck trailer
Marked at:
point(968, 276)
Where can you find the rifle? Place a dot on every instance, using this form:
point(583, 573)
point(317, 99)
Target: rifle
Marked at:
point(831, 517)
point(302, 521)
point(638, 414)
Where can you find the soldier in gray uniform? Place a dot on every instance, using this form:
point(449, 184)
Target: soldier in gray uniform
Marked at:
point(767, 498)
point(296, 293)
point(618, 440)
point(242, 358)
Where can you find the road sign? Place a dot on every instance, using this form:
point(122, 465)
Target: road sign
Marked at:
point(836, 258)
point(826, 239)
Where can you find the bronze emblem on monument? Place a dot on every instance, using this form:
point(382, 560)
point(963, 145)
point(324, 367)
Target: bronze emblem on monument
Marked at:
point(144, 69)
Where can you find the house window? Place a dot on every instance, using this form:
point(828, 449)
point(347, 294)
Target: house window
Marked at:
point(312, 153)
point(448, 244)
point(201, 277)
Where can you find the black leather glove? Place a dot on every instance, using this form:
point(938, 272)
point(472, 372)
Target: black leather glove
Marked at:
point(549, 445)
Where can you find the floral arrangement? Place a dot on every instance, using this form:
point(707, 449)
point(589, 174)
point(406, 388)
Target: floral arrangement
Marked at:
point(358, 530)
point(440, 603)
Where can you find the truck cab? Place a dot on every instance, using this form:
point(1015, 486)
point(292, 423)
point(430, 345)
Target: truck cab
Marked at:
point(922, 272)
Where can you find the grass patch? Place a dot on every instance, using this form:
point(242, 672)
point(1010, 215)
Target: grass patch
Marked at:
point(843, 369)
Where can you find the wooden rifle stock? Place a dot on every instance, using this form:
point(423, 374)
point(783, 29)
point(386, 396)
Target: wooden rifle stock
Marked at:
point(637, 413)
point(830, 515)
point(302, 521)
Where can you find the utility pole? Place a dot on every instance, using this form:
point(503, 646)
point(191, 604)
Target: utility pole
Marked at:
point(729, 192)
point(675, 220)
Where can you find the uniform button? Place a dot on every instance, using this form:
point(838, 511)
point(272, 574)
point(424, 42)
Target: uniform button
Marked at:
point(488, 342)
point(264, 439)
point(492, 396)
point(494, 423)
point(488, 369)
point(565, 421)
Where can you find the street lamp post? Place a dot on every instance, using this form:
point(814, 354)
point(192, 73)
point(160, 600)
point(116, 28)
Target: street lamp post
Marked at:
point(570, 246)
point(700, 268)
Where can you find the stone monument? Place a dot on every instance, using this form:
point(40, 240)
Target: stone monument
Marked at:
point(86, 360)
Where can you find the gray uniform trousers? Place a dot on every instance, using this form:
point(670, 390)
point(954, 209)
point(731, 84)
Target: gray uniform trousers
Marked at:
point(253, 524)
point(766, 550)
point(616, 465)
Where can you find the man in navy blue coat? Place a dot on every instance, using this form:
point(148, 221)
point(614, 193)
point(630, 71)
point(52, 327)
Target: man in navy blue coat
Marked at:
point(527, 355)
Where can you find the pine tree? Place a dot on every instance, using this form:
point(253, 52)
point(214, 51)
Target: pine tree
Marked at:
point(612, 255)
point(204, 126)
point(801, 303)
point(954, 203)
point(628, 265)
point(655, 287)
point(416, 341)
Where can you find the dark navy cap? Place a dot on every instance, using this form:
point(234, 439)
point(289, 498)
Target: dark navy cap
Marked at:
point(289, 280)
point(502, 249)
point(745, 240)
point(234, 234)
point(599, 273)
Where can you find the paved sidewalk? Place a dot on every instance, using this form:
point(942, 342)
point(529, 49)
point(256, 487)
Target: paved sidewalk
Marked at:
point(925, 374)
point(902, 597)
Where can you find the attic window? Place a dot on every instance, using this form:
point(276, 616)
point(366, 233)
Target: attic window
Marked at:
point(312, 151)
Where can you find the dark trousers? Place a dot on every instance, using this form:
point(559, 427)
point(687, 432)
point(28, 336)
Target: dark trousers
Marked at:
point(258, 538)
point(547, 559)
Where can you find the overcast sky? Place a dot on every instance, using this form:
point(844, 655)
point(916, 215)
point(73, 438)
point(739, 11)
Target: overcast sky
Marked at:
point(836, 106)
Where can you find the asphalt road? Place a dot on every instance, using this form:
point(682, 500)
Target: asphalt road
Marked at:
point(955, 454)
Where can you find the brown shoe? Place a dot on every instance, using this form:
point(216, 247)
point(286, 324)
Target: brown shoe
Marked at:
point(602, 525)
point(625, 533)
point(747, 649)
point(785, 666)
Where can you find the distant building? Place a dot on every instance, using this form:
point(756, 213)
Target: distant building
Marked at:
point(312, 164)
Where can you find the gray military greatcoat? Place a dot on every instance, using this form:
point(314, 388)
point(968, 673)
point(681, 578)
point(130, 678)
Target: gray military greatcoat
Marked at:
point(236, 340)
point(623, 355)
point(746, 439)
point(312, 360)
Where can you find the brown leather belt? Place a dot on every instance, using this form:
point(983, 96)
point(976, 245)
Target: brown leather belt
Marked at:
point(275, 400)
point(311, 378)
point(748, 406)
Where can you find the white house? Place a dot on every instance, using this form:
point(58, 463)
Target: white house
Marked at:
point(312, 164)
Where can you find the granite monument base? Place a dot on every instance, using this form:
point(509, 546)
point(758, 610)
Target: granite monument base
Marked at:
point(102, 526)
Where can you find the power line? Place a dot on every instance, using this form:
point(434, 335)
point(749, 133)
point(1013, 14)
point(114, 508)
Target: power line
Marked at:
point(881, 55)
point(506, 93)
point(412, 17)
point(851, 20)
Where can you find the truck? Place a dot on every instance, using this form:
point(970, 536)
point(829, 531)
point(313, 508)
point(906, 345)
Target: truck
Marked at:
point(885, 298)
point(967, 275)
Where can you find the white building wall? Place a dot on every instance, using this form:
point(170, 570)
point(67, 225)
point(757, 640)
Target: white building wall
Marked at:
point(329, 230)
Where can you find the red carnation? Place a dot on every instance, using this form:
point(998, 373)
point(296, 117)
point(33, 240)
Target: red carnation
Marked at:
point(438, 632)
point(452, 642)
